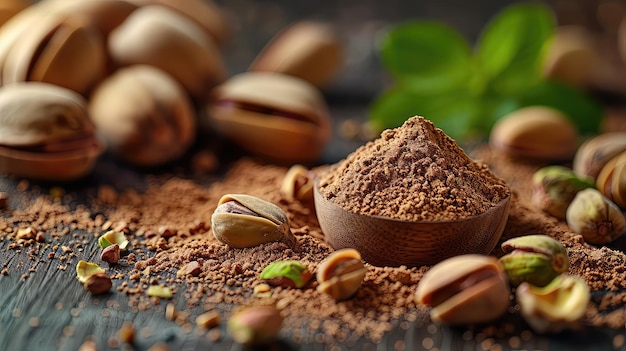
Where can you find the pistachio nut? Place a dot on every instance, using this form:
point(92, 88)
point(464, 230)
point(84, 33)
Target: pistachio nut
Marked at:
point(98, 283)
point(277, 116)
point(160, 291)
point(559, 305)
point(113, 237)
point(161, 37)
point(341, 274)
point(536, 259)
point(9, 8)
point(306, 49)
point(554, 187)
point(290, 274)
point(103, 15)
point(144, 115)
point(611, 180)
point(298, 184)
point(255, 325)
point(86, 269)
point(595, 152)
point(465, 289)
point(571, 56)
point(45, 132)
point(535, 132)
point(595, 217)
point(244, 221)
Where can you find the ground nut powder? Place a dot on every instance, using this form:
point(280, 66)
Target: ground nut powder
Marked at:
point(415, 173)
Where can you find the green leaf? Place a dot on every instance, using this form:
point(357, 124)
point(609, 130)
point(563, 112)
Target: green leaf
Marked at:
point(428, 56)
point(511, 48)
point(585, 112)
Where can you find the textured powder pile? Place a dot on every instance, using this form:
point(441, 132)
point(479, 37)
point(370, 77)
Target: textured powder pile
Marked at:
point(414, 173)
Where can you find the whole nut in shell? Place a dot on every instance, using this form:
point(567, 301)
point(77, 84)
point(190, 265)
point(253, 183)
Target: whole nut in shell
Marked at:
point(144, 115)
point(45, 132)
point(536, 259)
point(595, 217)
point(298, 184)
point(571, 56)
point(595, 152)
point(308, 50)
point(244, 221)
point(161, 37)
point(555, 307)
point(535, 132)
point(465, 289)
point(612, 180)
point(255, 325)
point(341, 274)
point(271, 114)
point(554, 188)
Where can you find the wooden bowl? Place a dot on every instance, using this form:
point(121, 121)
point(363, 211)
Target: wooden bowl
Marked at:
point(384, 241)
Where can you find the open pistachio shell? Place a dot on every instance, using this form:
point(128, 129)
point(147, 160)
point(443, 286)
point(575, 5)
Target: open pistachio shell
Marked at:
point(271, 114)
point(340, 275)
point(536, 259)
point(145, 116)
point(612, 180)
point(45, 132)
point(161, 37)
point(85, 269)
point(595, 152)
point(465, 289)
point(244, 221)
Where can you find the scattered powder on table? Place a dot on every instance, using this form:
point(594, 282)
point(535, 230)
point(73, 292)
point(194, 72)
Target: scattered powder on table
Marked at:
point(415, 173)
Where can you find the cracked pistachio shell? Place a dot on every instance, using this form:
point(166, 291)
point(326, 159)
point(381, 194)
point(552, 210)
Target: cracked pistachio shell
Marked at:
point(298, 184)
point(595, 152)
point(465, 289)
point(145, 116)
point(113, 237)
point(244, 221)
point(255, 325)
point(535, 132)
point(612, 180)
point(274, 115)
point(555, 307)
point(341, 274)
point(308, 50)
point(595, 217)
point(161, 37)
point(45, 132)
point(554, 187)
point(536, 259)
point(86, 269)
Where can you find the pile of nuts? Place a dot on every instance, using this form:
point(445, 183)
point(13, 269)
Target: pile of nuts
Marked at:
point(139, 77)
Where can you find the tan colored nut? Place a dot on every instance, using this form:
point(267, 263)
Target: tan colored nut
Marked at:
point(9, 8)
point(308, 50)
point(594, 153)
point(595, 217)
point(98, 283)
point(103, 15)
point(465, 289)
point(535, 132)
point(210, 319)
point(45, 132)
point(298, 184)
point(255, 325)
point(144, 115)
point(612, 180)
point(161, 37)
point(244, 221)
point(341, 274)
point(111, 254)
point(571, 56)
point(60, 50)
point(273, 115)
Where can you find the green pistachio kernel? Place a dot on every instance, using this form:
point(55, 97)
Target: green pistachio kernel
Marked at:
point(286, 273)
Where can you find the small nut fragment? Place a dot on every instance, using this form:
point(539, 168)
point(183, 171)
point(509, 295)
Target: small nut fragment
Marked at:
point(536, 259)
point(191, 268)
point(160, 291)
point(594, 153)
point(210, 319)
point(4, 200)
point(298, 184)
point(113, 237)
point(290, 274)
point(262, 290)
point(465, 289)
point(595, 217)
point(26, 233)
point(98, 283)
point(557, 306)
point(535, 132)
point(554, 188)
point(611, 180)
point(86, 269)
point(255, 325)
point(127, 332)
point(111, 254)
point(244, 221)
point(341, 274)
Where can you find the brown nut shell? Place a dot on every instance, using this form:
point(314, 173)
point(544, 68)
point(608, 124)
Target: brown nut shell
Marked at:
point(612, 180)
point(144, 115)
point(340, 275)
point(535, 132)
point(308, 50)
point(274, 115)
point(161, 37)
point(9, 8)
point(465, 289)
point(595, 152)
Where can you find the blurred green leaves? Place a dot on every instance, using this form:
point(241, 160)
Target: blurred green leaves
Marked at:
point(463, 91)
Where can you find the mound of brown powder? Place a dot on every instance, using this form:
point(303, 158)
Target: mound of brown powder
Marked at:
point(414, 173)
